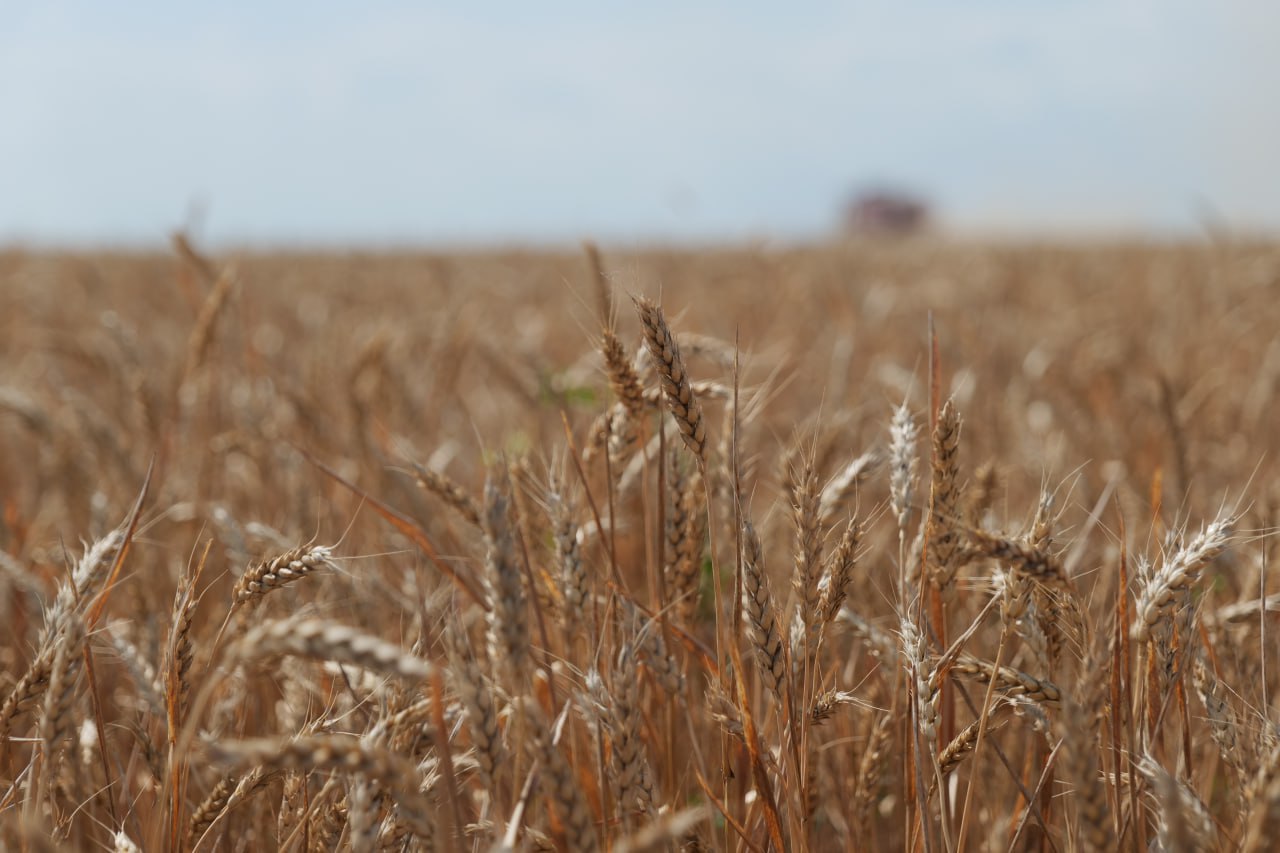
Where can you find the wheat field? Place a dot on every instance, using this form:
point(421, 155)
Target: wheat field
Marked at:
point(864, 546)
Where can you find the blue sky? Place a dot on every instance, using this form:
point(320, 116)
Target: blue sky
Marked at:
point(391, 122)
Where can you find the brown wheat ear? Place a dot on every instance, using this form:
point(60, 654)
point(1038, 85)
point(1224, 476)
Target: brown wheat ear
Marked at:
point(449, 492)
point(291, 566)
point(944, 539)
point(761, 615)
point(676, 387)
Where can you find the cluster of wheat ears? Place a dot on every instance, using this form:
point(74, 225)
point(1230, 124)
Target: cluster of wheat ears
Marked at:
point(659, 605)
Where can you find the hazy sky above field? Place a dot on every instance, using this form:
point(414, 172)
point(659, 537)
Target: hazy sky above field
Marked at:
point(386, 122)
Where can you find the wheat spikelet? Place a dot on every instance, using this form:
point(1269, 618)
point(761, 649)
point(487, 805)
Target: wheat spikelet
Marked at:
point(1242, 611)
point(89, 570)
point(1049, 616)
point(676, 388)
point(656, 657)
point(449, 492)
point(1080, 728)
point(504, 585)
point(659, 834)
point(944, 538)
point(963, 744)
point(181, 651)
point(267, 575)
point(1264, 819)
point(723, 710)
point(630, 760)
point(808, 555)
point(689, 574)
point(341, 753)
point(328, 825)
point(622, 377)
point(870, 767)
point(393, 836)
point(210, 808)
point(839, 572)
point(322, 640)
point(842, 487)
point(825, 706)
point(567, 535)
point(685, 527)
point(902, 463)
point(24, 695)
point(980, 494)
point(617, 428)
point(68, 661)
point(915, 652)
point(477, 700)
point(599, 280)
point(628, 390)
point(559, 785)
point(1177, 575)
point(1223, 722)
point(229, 791)
point(293, 808)
point(362, 815)
point(1008, 680)
point(1185, 822)
point(703, 389)
point(1037, 564)
point(140, 670)
point(758, 604)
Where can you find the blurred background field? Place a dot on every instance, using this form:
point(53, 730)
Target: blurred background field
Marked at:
point(1147, 357)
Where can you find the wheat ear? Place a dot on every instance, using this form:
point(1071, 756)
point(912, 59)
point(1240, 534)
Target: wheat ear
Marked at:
point(676, 388)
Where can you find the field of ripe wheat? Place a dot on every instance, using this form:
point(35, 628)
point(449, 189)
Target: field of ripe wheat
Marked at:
point(868, 546)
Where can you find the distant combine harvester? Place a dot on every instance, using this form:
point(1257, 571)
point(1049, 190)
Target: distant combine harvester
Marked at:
point(886, 213)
